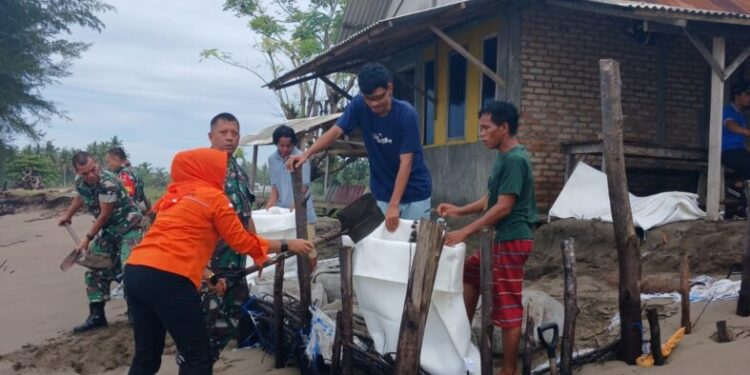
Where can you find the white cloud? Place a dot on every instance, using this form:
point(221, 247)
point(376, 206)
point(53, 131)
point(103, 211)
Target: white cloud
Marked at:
point(142, 80)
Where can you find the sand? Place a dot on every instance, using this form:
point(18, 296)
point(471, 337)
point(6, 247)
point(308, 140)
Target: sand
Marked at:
point(40, 303)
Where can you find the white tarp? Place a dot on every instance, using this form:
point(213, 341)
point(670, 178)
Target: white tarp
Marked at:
point(275, 223)
point(381, 264)
point(586, 196)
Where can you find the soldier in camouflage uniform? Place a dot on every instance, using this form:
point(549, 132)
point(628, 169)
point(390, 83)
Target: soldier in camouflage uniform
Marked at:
point(223, 304)
point(117, 160)
point(114, 233)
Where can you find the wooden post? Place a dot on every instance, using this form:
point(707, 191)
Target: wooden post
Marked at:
point(714, 133)
point(254, 172)
point(528, 342)
point(571, 307)
point(486, 285)
point(278, 321)
point(628, 251)
point(653, 325)
point(336, 351)
point(347, 309)
point(722, 332)
point(418, 296)
point(685, 293)
point(743, 303)
point(303, 261)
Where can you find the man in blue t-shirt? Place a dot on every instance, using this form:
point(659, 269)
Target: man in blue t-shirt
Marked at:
point(734, 147)
point(399, 178)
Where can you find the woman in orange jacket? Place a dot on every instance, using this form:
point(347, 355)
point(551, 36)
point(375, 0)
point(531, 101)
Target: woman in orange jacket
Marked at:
point(163, 273)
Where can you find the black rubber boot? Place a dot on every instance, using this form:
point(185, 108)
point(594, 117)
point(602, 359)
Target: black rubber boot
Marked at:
point(96, 318)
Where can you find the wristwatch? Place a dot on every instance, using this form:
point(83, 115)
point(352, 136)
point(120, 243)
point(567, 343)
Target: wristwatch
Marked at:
point(284, 246)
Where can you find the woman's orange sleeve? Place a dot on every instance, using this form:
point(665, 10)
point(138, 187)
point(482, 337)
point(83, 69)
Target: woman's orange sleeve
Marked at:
point(230, 229)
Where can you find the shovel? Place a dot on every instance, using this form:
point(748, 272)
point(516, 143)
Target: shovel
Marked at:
point(358, 219)
point(549, 346)
point(89, 260)
point(71, 258)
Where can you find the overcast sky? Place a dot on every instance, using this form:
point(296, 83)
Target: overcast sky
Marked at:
point(142, 80)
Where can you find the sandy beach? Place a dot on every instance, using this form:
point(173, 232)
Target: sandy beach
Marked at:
point(41, 304)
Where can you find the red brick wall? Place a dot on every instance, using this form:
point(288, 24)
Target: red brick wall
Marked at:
point(560, 103)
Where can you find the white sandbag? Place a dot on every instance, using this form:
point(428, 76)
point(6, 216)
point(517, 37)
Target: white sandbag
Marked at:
point(381, 264)
point(585, 196)
point(275, 223)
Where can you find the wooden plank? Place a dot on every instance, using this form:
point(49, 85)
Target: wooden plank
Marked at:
point(714, 135)
point(418, 296)
point(716, 65)
point(347, 309)
point(335, 87)
point(486, 286)
point(736, 63)
point(685, 294)
point(278, 321)
point(638, 150)
point(743, 303)
point(628, 251)
point(303, 261)
point(571, 306)
point(468, 56)
point(655, 330)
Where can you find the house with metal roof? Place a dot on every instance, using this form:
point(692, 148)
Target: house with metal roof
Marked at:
point(676, 59)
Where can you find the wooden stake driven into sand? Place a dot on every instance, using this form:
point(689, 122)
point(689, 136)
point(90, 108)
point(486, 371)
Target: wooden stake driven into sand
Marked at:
point(685, 293)
point(571, 307)
point(278, 318)
point(653, 325)
point(528, 342)
point(303, 261)
point(347, 309)
point(430, 237)
point(486, 285)
point(628, 250)
point(743, 303)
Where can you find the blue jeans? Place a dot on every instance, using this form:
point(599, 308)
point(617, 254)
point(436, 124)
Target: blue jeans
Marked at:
point(412, 210)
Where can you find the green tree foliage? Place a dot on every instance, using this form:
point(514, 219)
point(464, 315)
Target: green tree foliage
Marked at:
point(39, 164)
point(288, 33)
point(34, 54)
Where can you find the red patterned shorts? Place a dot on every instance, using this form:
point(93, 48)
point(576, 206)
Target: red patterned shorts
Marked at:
point(508, 258)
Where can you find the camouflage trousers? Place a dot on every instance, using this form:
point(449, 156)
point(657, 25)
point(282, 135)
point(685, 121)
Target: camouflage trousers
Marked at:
point(98, 281)
point(223, 314)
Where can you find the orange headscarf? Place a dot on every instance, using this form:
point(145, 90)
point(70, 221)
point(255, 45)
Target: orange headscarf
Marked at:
point(191, 170)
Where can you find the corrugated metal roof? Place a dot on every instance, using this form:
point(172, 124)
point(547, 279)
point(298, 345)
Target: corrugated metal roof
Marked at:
point(359, 14)
point(721, 8)
point(374, 41)
point(264, 137)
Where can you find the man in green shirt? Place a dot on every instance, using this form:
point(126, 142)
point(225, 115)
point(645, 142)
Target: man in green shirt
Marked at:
point(223, 305)
point(510, 207)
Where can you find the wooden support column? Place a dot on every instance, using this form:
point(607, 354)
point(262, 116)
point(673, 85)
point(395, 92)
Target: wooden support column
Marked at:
point(743, 303)
point(722, 332)
point(347, 309)
point(430, 237)
point(714, 133)
point(486, 285)
point(628, 251)
point(571, 306)
point(303, 261)
point(278, 321)
point(254, 172)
